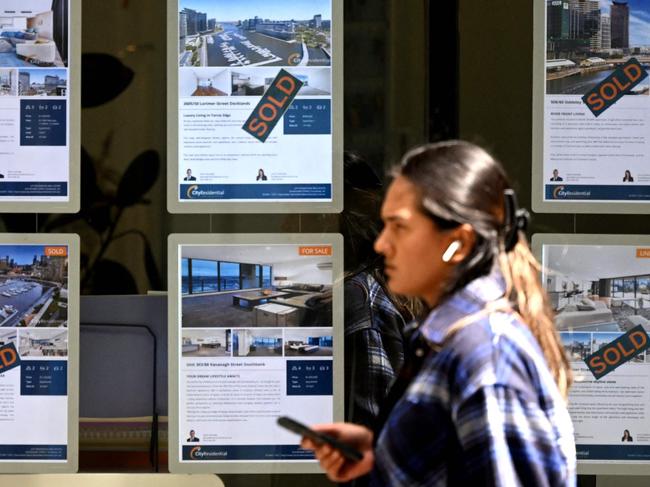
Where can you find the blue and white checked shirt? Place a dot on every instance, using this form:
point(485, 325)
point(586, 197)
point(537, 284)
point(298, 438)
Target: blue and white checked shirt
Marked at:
point(374, 348)
point(484, 410)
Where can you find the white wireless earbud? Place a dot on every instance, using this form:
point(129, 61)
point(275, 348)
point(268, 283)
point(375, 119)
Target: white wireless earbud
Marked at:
point(451, 250)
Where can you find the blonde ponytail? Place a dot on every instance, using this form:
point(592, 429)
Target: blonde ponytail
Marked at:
point(521, 272)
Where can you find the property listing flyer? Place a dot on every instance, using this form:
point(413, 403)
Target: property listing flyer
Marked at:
point(604, 158)
point(33, 353)
point(34, 100)
point(255, 343)
point(599, 293)
point(230, 54)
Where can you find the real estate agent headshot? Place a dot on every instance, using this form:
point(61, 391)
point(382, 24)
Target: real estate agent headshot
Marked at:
point(627, 178)
point(193, 438)
point(627, 436)
point(556, 176)
point(189, 176)
point(261, 176)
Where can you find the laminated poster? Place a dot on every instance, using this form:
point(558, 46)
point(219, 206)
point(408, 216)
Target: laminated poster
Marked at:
point(255, 101)
point(35, 101)
point(601, 297)
point(34, 354)
point(255, 342)
point(596, 107)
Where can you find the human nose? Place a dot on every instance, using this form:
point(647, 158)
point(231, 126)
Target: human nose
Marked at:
point(381, 243)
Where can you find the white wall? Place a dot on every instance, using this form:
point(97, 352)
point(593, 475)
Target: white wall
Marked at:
point(44, 25)
point(10, 23)
point(303, 272)
point(245, 342)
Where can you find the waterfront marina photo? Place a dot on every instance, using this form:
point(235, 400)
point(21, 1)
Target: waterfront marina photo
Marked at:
point(33, 286)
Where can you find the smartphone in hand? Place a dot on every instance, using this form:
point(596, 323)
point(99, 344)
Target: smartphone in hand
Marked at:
point(346, 450)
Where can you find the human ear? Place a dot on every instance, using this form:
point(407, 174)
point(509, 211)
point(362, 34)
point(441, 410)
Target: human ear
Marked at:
point(463, 242)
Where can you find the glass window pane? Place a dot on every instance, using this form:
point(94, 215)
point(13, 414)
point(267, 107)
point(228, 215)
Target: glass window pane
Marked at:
point(204, 276)
point(628, 288)
point(266, 276)
point(185, 276)
point(229, 276)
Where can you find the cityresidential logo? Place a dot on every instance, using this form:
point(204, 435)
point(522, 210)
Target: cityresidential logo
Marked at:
point(197, 454)
point(294, 59)
point(194, 192)
point(560, 193)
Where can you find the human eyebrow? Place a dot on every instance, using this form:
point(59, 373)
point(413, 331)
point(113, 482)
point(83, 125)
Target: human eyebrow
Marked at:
point(400, 215)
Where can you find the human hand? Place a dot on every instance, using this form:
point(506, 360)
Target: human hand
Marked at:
point(336, 466)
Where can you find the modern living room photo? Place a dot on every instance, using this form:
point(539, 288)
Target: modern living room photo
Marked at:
point(232, 286)
point(214, 342)
point(597, 287)
point(34, 33)
point(255, 81)
point(316, 342)
point(43, 342)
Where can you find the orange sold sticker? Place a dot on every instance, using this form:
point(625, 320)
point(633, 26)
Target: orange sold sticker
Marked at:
point(59, 251)
point(315, 250)
point(642, 253)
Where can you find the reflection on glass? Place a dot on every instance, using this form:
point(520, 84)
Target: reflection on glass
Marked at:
point(204, 276)
point(229, 276)
point(185, 276)
point(266, 276)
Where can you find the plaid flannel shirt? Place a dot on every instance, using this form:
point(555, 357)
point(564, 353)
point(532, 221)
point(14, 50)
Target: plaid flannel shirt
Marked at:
point(483, 410)
point(374, 348)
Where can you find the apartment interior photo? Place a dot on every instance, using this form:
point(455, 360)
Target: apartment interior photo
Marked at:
point(214, 342)
point(8, 336)
point(33, 33)
point(254, 82)
point(257, 343)
point(597, 288)
point(254, 286)
point(308, 341)
point(44, 342)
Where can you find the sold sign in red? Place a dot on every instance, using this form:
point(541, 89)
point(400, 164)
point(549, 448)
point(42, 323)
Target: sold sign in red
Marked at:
point(272, 106)
point(612, 88)
point(9, 357)
point(616, 353)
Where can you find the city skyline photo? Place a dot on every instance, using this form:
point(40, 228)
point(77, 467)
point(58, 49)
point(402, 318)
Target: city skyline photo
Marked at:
point(229, 11)
point(639, 20)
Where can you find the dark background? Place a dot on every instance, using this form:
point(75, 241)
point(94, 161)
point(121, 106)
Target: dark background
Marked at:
point(415, 71)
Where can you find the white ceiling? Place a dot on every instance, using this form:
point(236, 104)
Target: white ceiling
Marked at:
point(5, 334)
point(24, 8)
point(261, 333)
point(593, 262)
point(302, 335)
point(211, 333)
point(41, 333)
point(250, 254)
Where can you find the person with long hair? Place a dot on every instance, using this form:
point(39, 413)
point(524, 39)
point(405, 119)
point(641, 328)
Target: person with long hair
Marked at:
point(481, 398)
point(374, 317)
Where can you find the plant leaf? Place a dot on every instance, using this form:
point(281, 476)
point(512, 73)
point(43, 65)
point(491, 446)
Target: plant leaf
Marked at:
point(110, 277)
point(155, 281)
point(99, 217)
point(138, 179)
point(18, 223)
point(90, 191)
point(61, 220)
point(104, 78)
